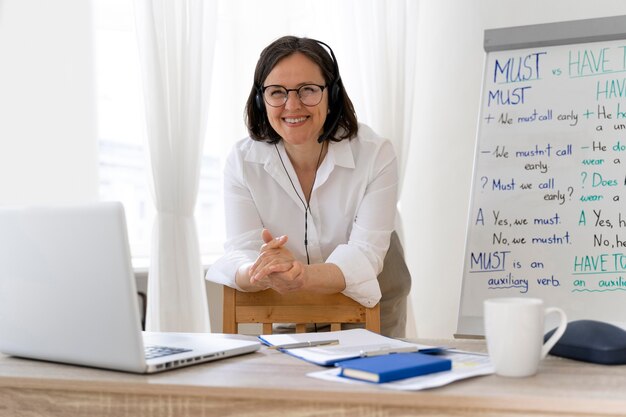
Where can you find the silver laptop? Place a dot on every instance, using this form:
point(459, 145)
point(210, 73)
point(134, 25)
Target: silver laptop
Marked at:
point(68, 294)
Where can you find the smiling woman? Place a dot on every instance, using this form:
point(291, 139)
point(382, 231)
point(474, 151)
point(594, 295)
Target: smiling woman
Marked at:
point(307, 157)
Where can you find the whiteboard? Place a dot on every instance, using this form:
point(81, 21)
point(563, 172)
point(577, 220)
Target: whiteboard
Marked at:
point(547, 215)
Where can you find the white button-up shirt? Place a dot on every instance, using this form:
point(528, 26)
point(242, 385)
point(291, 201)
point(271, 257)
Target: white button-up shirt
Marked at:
point(352, 209)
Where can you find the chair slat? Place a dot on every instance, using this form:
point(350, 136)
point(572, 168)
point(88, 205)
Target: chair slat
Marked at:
point(270, 307)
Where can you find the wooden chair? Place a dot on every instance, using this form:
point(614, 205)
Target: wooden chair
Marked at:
point(301, 308)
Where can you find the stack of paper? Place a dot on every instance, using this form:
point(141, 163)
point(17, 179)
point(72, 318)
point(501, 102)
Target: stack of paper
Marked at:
point(356, 343)
point(351, 344)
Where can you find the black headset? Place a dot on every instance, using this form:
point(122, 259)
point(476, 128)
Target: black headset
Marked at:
point(335, 87)
point(334, 90)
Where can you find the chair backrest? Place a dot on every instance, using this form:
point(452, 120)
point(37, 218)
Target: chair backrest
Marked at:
point(268, 307)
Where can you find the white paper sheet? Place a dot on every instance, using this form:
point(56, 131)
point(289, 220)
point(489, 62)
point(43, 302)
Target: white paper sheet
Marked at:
point(464, 365)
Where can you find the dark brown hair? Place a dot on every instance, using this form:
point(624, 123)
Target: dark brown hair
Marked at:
point(341, 111)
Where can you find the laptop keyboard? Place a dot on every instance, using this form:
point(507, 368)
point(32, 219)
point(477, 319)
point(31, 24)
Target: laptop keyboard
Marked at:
point(158, 351)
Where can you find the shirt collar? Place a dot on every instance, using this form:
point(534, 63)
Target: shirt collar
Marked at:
point(339, 153)
point(259, 152)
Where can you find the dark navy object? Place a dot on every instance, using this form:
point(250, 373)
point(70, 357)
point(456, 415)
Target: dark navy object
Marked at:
point(591, 341)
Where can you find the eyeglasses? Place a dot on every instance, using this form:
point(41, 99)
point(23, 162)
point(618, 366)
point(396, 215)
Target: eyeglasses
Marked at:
point(309, 94)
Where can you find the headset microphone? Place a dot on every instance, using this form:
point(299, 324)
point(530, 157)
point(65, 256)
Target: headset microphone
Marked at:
point(326, 132)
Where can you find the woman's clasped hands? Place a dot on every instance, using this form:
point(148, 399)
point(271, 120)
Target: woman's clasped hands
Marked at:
point(276, 267)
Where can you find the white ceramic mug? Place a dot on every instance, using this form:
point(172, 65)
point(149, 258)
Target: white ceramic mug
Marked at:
point(514, 329)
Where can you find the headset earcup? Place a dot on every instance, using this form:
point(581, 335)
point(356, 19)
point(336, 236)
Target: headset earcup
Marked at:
point(259, 101)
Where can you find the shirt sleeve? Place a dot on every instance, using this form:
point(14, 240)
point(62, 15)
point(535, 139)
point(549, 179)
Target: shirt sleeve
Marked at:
point(361, 259)
point(243, 225)
point(224, 270)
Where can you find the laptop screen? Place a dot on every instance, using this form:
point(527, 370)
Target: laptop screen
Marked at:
point(67, 289)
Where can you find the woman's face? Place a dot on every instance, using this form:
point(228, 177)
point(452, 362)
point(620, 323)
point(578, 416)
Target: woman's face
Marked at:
point(294, 122)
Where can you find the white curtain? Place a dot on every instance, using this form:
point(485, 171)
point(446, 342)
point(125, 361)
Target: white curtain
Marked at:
point(176, 44)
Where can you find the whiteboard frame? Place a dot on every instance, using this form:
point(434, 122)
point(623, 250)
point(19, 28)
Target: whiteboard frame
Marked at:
point(554, 34)
point(471, 327)
point(521, 37)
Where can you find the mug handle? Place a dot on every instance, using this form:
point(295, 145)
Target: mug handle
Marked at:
point(557, 334)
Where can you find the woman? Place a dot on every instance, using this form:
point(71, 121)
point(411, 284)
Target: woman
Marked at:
point(310, 196)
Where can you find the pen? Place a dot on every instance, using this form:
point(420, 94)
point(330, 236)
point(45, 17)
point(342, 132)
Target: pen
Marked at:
point(368, 353)
point(435, 350)
point(306, 344)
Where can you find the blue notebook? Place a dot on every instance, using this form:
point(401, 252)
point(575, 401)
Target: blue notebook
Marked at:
point(386, 368)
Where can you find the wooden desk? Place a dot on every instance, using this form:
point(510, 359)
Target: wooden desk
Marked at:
point(268, 383)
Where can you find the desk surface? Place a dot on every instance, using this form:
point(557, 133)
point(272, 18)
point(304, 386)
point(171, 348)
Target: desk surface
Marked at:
point(269, 383)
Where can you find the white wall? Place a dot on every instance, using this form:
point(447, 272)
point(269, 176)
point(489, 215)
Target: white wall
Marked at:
point(436, 192)
point(47, 122)
point(47, 117)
